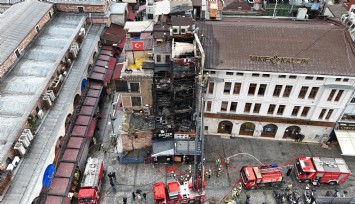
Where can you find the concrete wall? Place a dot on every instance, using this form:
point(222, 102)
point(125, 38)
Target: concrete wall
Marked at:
point(118, 19)
point(86, 8)
point(145, 93)
point(5, 67)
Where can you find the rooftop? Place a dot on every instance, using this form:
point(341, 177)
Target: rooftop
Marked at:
point(20, 91)
point(86, 2)
point(16, 22)
point(139, 26)
point(319, 41)
point(118, 8)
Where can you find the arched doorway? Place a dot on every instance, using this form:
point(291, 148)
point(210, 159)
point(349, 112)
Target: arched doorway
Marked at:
point(247, 129)
point(269, 130)
point(58, 146)
point(67, 121)
point(291, 132)
point(225, 127)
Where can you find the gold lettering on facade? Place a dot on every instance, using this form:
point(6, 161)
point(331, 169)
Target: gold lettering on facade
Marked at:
point(275, 59)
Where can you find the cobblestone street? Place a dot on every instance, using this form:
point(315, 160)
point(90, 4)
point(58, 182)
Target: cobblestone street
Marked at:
point(131, 177)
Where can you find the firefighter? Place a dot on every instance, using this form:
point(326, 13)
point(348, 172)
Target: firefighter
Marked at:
point(124, 200)
point(145, 196)
point(227, 162)
point(219, 170)
point(218, 162)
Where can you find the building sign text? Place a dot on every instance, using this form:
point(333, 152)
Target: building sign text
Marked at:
point(275, 59)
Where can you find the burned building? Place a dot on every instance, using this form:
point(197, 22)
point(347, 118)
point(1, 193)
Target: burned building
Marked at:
point(174, 78)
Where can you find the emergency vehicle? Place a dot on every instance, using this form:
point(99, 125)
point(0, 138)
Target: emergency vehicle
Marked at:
point(318, 170)
point(91, 183)
point(176, 193)
point(253, 177)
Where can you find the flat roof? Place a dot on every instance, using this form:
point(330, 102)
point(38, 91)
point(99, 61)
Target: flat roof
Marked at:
point(16, 22)
point(81, 2)
point(79, 130)
point(70, 155)
point(59, 186)
point(230, 43)
point(24, 85)
point(118, 8)
point(75, 142)
point(138, 26)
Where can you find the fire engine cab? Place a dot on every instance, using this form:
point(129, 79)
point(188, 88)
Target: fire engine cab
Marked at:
point(318, 170)
point(252, 177)
point(176, 193)
point(91, 183)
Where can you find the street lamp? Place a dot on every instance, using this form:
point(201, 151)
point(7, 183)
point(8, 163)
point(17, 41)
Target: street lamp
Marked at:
point(113, 129)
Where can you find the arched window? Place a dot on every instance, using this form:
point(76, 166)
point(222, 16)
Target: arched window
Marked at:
point(76, 100)
point(291, 132)
point(225, 127)
point(269, 130)
point(247, 129)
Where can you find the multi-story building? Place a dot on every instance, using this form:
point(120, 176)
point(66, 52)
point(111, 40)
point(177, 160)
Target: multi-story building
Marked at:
point(276, 80)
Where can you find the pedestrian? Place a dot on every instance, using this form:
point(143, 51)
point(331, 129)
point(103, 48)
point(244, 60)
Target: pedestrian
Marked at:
point(124, 200)
point(113, 175)
point(134, 196)
point(145, 196)
point(112, 185)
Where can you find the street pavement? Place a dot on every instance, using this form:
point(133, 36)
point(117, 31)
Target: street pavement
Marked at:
point(131, 177)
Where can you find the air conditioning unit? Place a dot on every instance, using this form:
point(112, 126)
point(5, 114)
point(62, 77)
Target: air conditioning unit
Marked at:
point(60, 77)
point(184, 29)
point(176, 30)
point(15, 161)
point(151, 56)
point(65, 73)
point(40, 114)
point(28, 134)
point(10, 167)
point(24, 141)
point(20, 148)
point(51, 94)
point(55, 83)
point(47, 101)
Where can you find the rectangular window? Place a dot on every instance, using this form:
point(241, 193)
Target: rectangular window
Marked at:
point(313, 92)
point(277, 90)
point(240, 74)
point(224, 106)
point(37, 29)
point(352, 100)
point(252, 88)
point(227, 87)
point(255, 75)
point(236, 89)
point(338, 79)
point(247, 108)
point(50, 14)
point(262, 89)
point(282, 76)
point(345, 79)
point(320, 78)
point(233, 106)
point(81, 9)
point(210, 87)
point(158, 58)
point(340, 93)
point(136, 101)
point(167, 59)
point(305, 111)
point(208, 106)
point(321, 115)
point(229, 73)
point(134, 87)
point(309, 78)
point(331, 95)
point(150, 16)
point(257, 108)
point(212, 72)
point(295, 110)
point(292, 77)
point(303, 92)
point(271, 109)
point(280, 110)
point(17, 53)
point(329, 114)
point(287, 91)
point(266, 75)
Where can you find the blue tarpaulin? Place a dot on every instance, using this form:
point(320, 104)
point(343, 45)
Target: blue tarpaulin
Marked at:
point(48, 175)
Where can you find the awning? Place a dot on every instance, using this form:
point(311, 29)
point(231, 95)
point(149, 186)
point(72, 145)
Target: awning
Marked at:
point(346, 140)
point(117, 72)
point(92, 127)
point(122, 42)
point(141, 8)
point(132, 16)
point(109, 71)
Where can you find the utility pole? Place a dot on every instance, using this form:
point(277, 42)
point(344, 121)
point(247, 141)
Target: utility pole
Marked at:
point(274, 14)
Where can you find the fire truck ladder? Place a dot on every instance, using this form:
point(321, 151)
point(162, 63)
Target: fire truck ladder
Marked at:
point(269, 170)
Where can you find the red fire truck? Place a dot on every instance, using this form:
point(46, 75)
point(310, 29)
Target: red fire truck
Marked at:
point(91, 184)
point(174, 193)
point(318, 170)
point(252, 177)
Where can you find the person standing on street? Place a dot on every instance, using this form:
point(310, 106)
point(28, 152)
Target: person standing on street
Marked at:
point(124, 200)
point(134, 196)
point(145, 196)
point(113, 175)
point(112, 185)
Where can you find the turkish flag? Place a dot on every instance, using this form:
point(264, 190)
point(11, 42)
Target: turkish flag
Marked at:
point(137, 45)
